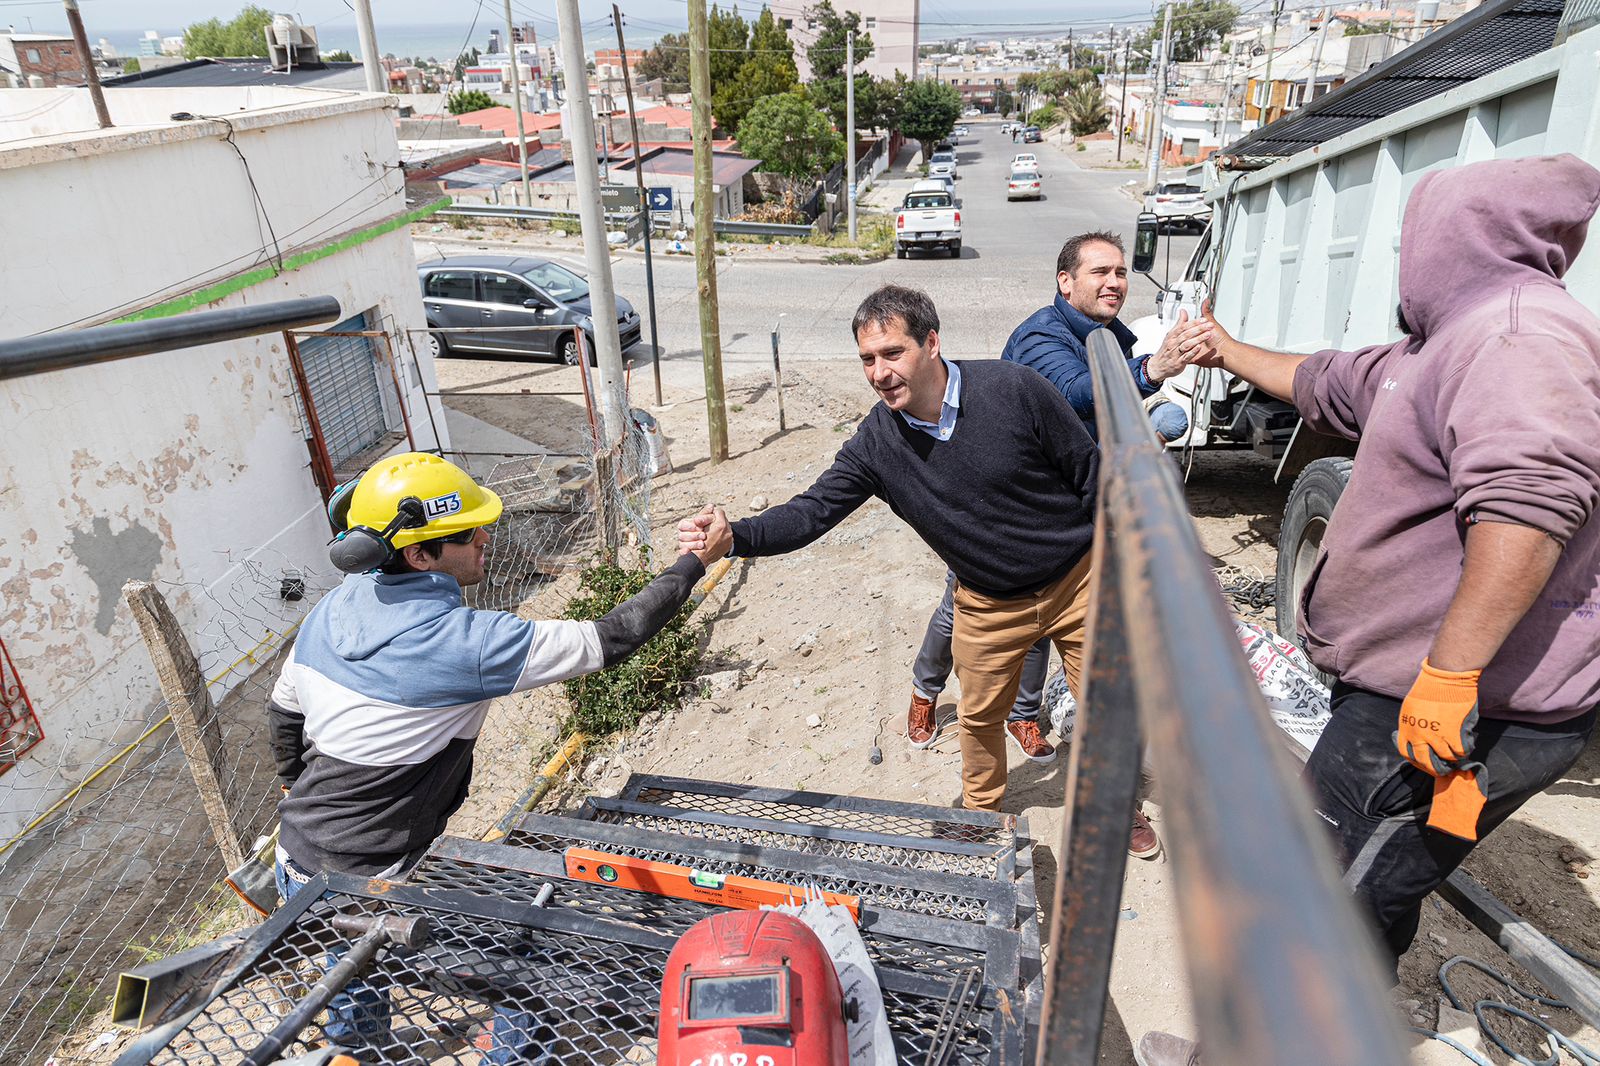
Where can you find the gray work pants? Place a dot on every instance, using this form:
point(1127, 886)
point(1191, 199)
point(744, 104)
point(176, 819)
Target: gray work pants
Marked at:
point(933, 663)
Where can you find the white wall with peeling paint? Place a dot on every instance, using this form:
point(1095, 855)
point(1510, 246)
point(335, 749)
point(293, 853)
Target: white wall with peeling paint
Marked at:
point(189, 468)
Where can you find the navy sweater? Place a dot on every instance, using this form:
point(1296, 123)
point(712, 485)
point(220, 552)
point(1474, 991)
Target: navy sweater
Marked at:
point(1007, 502)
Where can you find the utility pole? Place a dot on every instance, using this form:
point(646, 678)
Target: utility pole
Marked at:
point(91, 77)
point(1069, 49)
point(705, 230)
point(644, 205)
point(367, 35)
point(1316, 58)
point(1227, 100)
point(522, 134)
point(1122, 109)
point(850, 127)
point(1265, 112)
point(1158, 103)
point(592, 221)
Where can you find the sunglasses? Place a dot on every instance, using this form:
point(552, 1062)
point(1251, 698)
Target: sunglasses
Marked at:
point(466, 536)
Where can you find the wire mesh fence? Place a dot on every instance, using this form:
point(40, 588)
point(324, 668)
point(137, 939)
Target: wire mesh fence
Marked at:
point(117, 862)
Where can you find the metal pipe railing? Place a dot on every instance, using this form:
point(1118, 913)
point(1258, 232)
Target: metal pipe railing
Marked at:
point(1281, 967)
point(65, 349)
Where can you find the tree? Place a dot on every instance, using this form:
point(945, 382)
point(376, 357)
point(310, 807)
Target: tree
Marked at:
point(791, 137)
point(1086, 110)
point(728, 40)
point(466, 59)
point(826, 55)
point(341, 56)
point(768, 70)
point(131, 66)
point(669, 61)
point(243, 36)
point(1196, 24)
point(929, 113)
point(468, 100)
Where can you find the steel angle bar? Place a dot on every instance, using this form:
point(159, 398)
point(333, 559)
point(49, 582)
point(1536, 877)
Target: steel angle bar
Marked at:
point(65, 349)
point(997, 896)
point(1280, 964)
point(826, 800)
point(800, 829)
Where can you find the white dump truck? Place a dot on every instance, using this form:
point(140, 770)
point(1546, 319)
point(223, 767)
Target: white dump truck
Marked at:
point(1301, 252)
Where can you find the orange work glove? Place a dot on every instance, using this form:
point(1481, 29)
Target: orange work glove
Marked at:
point(1439, 719)
point(1458, 799)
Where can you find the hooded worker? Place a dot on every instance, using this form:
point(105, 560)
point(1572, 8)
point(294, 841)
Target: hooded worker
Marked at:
point(1456, 599)
point(377, 710)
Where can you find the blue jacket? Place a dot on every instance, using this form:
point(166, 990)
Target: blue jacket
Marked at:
point(1053, 341)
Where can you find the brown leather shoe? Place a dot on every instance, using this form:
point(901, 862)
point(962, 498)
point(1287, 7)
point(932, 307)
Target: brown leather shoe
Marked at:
point(1142, 840)
point(1164, 1049)
point(1026, 736)
point(922, 725)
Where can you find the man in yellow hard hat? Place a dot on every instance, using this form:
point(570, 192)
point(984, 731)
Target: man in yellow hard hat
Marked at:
point(377, 710)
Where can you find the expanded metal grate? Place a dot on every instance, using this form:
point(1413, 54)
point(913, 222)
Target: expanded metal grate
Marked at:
point(896, 897)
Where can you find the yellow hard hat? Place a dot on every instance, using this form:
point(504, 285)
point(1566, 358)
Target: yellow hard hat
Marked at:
point(422, 495)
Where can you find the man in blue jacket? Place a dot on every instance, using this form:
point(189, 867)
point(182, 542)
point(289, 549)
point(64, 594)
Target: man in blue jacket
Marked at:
point(1091, 288)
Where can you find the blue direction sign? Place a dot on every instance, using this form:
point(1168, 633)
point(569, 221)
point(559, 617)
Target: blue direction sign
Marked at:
point(659, 197)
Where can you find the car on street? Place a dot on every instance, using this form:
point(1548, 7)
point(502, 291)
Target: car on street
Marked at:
point(1007, 128)
point(962, 131)
point(1024, 161)
point(1024, 184)
point(462, 294)
point(1031, 135)
point(1178, 203)
point(943, 163)
point(971, 112)
point(928, 218)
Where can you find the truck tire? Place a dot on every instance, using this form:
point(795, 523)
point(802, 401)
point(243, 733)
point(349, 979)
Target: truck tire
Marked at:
point(1305, 520)
point(899, 251)
point(955, 250)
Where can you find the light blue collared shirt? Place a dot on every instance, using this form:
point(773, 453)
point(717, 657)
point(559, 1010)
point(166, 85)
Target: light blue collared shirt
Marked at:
point(948, 410)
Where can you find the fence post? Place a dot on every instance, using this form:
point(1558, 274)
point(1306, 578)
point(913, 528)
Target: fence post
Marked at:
point(777, 378)
point(193, 714)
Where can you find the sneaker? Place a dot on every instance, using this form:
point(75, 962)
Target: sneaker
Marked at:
point(1026, 736)
point(1164, 1049)
point(1144, 844)
point(922, 725)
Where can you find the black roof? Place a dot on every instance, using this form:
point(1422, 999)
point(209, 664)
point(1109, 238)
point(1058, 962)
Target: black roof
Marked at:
point(226, 73)
point(1499, 33)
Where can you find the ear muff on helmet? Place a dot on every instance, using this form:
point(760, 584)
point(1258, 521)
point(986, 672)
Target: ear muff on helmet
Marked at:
point(358, 550)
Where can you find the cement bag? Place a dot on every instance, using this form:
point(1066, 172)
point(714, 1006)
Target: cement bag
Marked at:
point(1296, 697)
point(871, 1043)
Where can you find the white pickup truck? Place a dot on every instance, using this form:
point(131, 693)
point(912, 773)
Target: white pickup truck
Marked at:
point(928, 218)
point(1302, 252)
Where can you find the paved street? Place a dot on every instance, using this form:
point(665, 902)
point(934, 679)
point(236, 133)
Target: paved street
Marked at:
point(1005, 272)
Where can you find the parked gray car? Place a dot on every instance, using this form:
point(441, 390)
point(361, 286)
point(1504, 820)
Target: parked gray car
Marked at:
point(462, 292)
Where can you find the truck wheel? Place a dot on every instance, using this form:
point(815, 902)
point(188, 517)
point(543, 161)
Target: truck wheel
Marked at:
point(955, 250)
point(899, 251)
point(1305, 520)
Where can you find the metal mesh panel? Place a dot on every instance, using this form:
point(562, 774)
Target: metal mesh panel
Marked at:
point(835, 817)
point(914, 1022)
point(908, 857)
point(342, 373)
point(913, 901)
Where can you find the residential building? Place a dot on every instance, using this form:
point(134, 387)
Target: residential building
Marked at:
point(980, 86)
point(52, 58)
point(150, 44)
point(204, 470)
point(892, 24)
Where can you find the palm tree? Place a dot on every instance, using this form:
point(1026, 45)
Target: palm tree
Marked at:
point(1086, 110)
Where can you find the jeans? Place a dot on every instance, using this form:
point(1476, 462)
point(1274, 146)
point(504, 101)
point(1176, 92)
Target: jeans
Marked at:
point(932, 667)
point(1170, 420)
point(359, 1013)
point(1377, 803)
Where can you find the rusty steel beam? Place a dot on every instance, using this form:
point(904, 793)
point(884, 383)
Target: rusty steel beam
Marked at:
point(1280, 965)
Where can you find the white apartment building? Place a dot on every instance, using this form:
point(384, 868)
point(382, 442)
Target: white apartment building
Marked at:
point(892, 24)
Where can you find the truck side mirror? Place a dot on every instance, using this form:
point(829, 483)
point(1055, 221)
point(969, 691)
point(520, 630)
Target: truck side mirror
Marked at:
point(1146, 235)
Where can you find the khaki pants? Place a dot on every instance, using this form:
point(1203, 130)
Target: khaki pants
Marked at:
point(990, 639)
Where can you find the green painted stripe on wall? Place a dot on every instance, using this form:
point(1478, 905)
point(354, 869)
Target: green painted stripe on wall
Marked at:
point(240, 282)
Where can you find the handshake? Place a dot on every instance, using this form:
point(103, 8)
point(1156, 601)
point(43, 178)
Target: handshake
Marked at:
point(1196, 342)
point(707, 535)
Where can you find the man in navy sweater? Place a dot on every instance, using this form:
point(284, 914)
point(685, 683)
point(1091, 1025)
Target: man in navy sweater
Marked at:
point(991, 467)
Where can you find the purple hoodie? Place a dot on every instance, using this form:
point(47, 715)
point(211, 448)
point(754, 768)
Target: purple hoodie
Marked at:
point(1489, 412)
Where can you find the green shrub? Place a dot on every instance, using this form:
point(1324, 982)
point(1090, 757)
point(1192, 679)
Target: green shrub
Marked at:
point(653, 678)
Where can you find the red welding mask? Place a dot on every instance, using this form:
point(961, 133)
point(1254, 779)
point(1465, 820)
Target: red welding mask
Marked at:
point(751, 988)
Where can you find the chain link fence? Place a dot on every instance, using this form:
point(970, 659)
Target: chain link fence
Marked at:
point(125, 867)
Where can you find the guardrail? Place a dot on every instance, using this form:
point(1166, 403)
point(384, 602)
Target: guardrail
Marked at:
point(1280, 965)
point(629, 220)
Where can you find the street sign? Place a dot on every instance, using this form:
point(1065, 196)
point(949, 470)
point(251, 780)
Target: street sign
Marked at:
point(659, 197)
point(619, 197)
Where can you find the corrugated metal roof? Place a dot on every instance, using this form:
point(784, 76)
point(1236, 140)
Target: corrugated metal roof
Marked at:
point(226, 73)
point(1499, 33)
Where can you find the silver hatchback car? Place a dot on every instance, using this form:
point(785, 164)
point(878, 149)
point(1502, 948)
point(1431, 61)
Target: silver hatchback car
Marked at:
point(462, 294)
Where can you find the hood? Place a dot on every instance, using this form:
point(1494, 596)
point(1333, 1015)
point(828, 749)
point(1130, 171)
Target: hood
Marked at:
point(1475, 231)
point(369, 611)
point(584, 307)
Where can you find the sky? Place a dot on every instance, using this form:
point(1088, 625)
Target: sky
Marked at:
point(120, 18)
